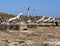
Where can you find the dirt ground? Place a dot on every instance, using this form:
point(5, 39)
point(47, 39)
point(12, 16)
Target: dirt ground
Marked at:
point(30, 38)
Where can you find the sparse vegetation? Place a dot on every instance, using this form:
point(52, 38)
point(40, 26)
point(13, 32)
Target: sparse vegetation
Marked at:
point(6, 16)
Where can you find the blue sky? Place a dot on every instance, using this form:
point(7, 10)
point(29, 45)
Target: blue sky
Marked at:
point(50, 8)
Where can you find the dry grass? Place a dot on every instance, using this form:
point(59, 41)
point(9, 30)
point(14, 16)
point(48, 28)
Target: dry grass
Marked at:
point(37, 37)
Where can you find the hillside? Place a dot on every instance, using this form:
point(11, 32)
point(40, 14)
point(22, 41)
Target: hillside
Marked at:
point(24, 17)
point(6, 15)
